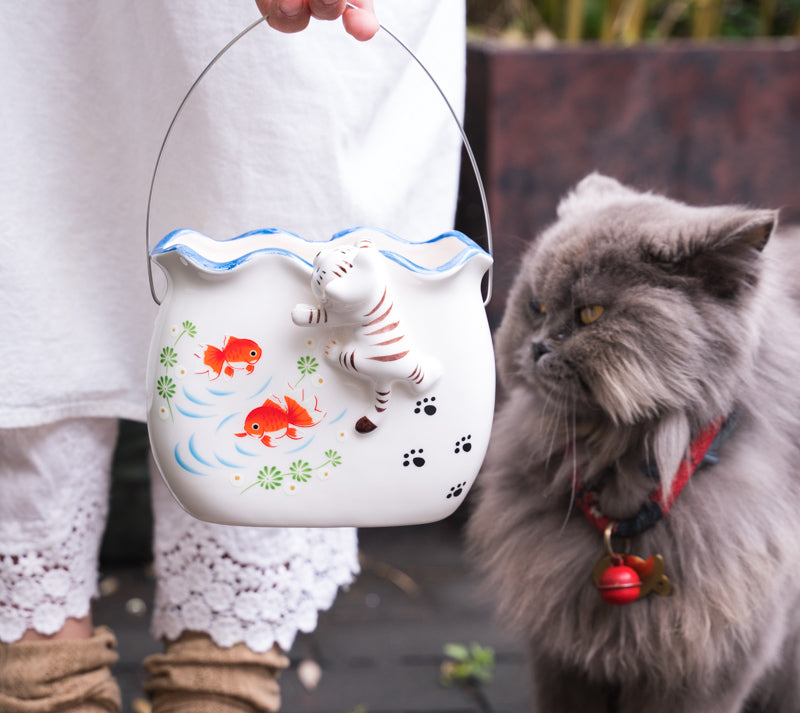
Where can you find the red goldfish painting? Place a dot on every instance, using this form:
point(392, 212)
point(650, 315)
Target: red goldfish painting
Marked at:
point(273, 417)
point(235, 354)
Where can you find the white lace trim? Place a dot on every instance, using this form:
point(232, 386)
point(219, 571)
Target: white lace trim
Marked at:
point(258, 586)
point(40, 589)
point(54, 492)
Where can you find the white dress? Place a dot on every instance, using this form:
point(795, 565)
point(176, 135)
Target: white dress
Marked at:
point(312, 133)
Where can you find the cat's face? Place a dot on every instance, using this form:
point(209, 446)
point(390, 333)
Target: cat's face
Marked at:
point(345, 276)
point(330, 264)
point(632, 306)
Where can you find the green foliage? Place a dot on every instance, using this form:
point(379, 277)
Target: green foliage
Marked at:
point(187, 327)
point(306, 365)
point(168, 357)
point(269, 478)
point(166, 387)
point(334, 459)
point(467, 665)
point(630, 21)
point(300, 471)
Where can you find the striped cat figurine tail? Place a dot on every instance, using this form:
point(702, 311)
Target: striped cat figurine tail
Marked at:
point(352, 288)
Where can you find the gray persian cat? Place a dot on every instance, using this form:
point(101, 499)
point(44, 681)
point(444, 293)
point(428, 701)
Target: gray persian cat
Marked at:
point(634, 324)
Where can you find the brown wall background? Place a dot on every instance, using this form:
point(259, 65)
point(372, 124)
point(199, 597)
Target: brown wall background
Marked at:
point(705, 124)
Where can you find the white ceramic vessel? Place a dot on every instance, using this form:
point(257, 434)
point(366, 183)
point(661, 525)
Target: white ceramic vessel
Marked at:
point(259, 385)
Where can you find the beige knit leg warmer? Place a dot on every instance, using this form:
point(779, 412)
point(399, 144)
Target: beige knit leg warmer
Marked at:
point(194, 675)
point(60, 675)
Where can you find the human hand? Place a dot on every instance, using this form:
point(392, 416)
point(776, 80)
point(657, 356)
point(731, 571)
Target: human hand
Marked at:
point(294, 15)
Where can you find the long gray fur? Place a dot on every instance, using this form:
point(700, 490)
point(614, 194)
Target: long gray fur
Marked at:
point(702, 317)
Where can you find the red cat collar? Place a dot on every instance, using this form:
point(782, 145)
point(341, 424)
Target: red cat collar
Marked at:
point(702, 451)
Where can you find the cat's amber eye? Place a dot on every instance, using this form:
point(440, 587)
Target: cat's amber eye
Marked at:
point(536, 307)
point(591, 314)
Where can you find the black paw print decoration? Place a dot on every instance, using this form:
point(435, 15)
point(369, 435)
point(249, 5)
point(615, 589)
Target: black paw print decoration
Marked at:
point(426, 406)
point(456, 491)
point(413, 457)
point(464, 444)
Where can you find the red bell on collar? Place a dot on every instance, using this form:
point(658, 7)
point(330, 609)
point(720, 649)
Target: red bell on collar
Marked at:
point(619, 585)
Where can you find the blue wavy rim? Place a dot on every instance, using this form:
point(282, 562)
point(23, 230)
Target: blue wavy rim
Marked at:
point(173, 243)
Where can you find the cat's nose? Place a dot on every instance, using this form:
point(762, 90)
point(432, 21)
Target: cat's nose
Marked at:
point(539, 349)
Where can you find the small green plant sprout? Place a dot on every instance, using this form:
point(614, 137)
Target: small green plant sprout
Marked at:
point(168, 357)
point(269, 478)
point(186, 328)
point(334, 459)
point(165, 387)
point(360, 708)
point(467, 665)
point(306, 365)
point(300, 471)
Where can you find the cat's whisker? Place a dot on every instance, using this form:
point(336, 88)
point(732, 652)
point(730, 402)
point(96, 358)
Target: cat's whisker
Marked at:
point(553, 437)
point(555, 429)
point(546, 403)
point(574, 450)
point(562, 433)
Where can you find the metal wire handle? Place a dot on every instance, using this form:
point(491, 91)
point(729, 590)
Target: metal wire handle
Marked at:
point(218, 56)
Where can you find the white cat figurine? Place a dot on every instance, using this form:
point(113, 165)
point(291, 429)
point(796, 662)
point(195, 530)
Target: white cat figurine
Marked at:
point(352, 288)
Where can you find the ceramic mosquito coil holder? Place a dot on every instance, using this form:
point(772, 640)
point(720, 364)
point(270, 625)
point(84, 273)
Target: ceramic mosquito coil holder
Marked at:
point(356, 388)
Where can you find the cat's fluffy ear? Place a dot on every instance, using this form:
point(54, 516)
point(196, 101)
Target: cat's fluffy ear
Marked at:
point(746, 229)
point(595, 188)
point(722, 248)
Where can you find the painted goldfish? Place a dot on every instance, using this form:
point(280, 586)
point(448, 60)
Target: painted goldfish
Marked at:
point(273, 417)
point(235, 354)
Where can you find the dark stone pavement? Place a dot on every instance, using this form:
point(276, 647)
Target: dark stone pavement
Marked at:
point(380, 646)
